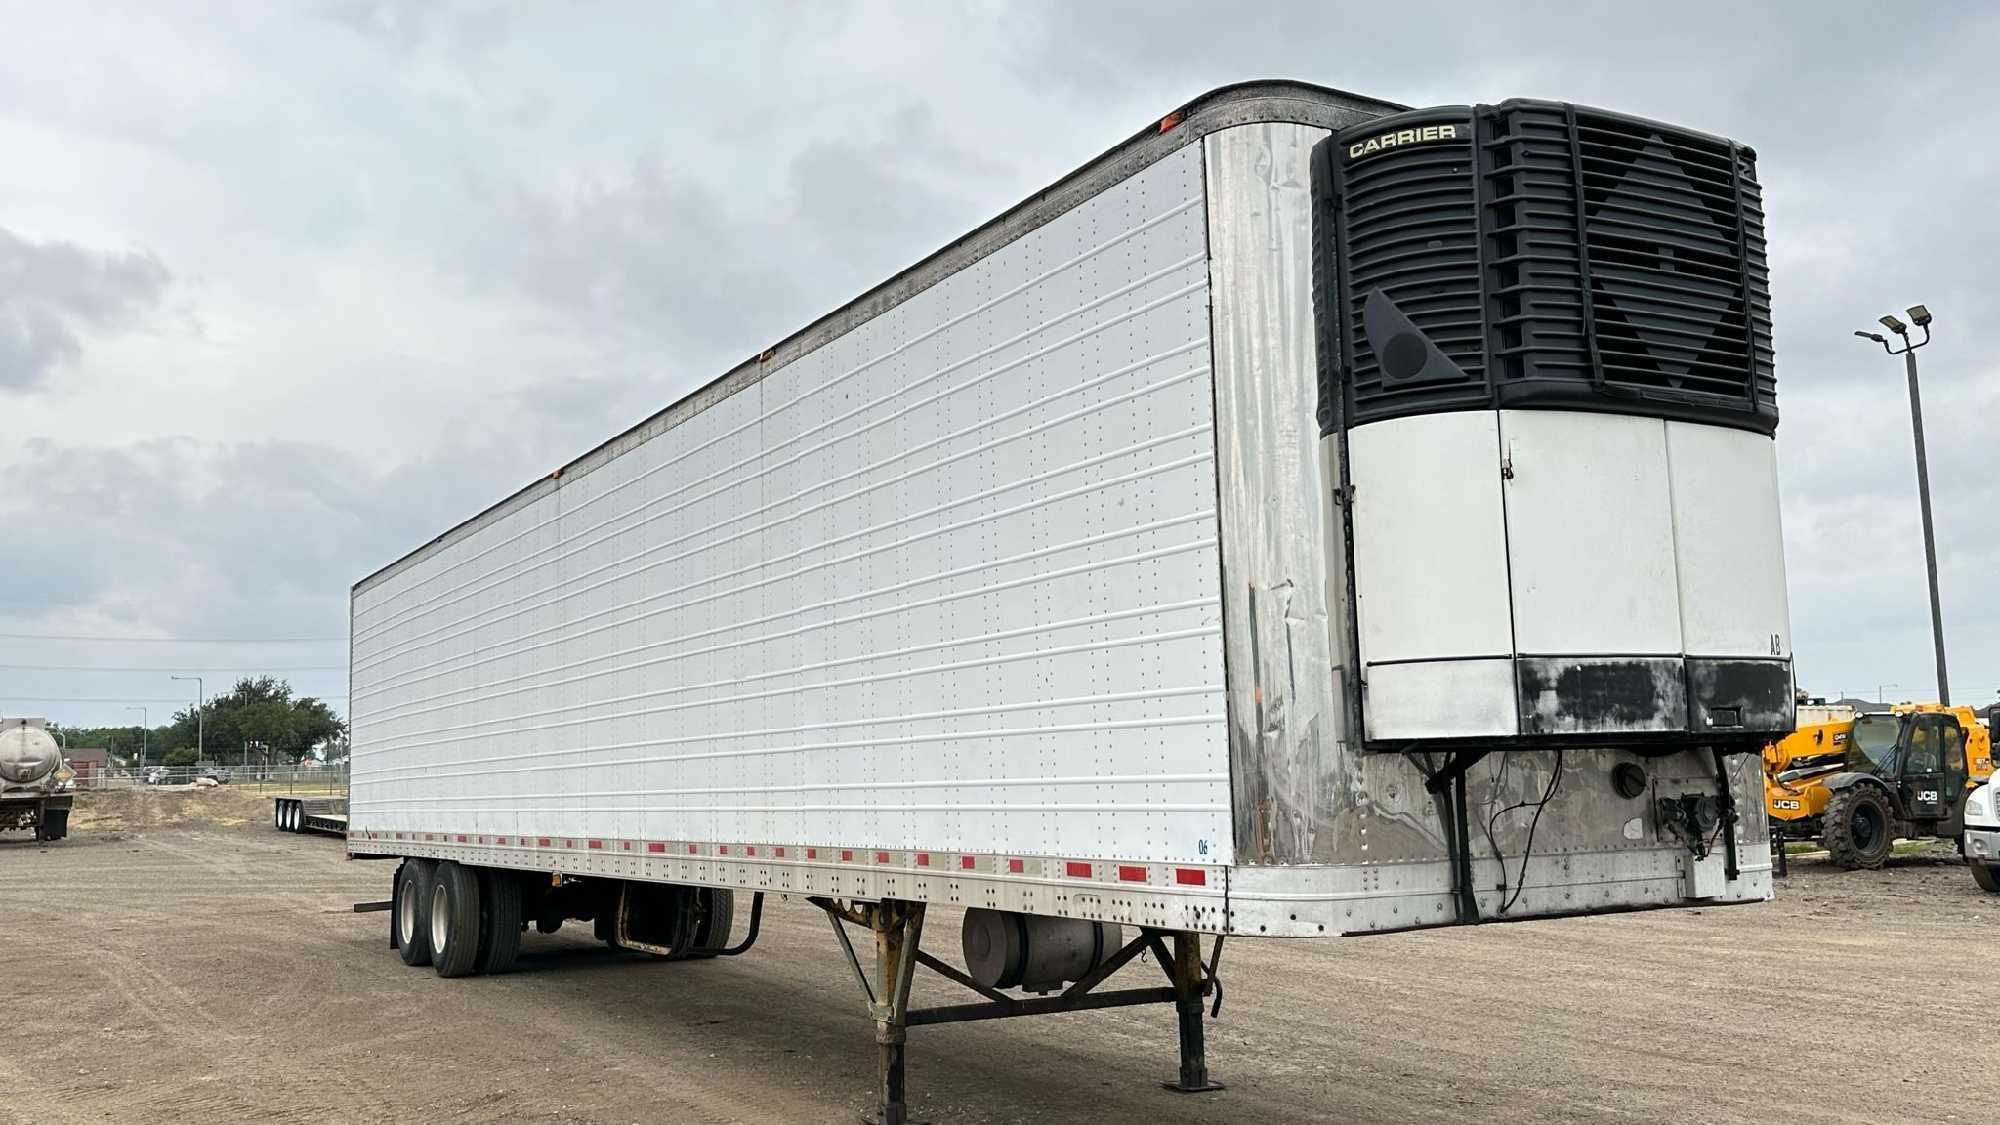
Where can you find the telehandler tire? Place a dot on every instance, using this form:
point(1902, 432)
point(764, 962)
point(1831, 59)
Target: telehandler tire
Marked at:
point(1859, 827)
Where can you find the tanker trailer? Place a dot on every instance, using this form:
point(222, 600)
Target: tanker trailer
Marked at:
point(34, 781)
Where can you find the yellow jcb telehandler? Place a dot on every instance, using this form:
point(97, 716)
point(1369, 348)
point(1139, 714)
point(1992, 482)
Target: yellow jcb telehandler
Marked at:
point(1857, 784)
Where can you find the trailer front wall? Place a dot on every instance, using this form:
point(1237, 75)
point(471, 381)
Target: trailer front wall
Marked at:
point(1331, 838)
point(948, 583)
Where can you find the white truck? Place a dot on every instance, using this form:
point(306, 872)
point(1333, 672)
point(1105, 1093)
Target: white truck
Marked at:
point(1980, 843)
point(1308, 518)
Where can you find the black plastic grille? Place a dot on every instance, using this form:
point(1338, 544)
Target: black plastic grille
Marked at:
point(1548, 255)
point(1413, 236)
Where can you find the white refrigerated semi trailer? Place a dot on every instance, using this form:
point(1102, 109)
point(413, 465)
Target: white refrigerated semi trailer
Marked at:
point(1309, 518)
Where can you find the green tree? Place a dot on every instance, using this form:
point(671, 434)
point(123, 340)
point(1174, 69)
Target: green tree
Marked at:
point(262, 710)
point(185, 756)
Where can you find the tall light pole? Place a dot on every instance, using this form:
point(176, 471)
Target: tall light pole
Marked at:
point(200, 710)
point(145, 730)
point(1922, 317)
point(1880, 688)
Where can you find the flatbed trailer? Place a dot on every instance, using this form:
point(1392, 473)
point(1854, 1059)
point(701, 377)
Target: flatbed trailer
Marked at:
point(1309, 518)
point(324, 815)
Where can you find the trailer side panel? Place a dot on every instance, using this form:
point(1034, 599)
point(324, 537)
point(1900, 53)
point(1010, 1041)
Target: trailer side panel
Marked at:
point(947, 584)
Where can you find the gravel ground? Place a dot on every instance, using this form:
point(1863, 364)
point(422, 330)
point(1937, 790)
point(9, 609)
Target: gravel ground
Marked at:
point(181, 962)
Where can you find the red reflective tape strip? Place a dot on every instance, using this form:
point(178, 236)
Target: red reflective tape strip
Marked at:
point(722, 849)
point(923, 859)
point(461, 839)
point(967, 863)
point(569, 843)
point(812, 853)
point(1078, 870)
point(1131, 874)
point(846, 856)
point(750, 851)
point(542, 841)
point(690, 849)
point(781, 851)
point(1016, 866)
point(1190, 876)
point(656, 849)
point(625, 844)
point(596, 845)
point(881, 857)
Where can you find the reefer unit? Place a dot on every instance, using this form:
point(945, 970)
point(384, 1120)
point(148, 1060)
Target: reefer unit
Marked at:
point(1304, 519)
point(1550, 359)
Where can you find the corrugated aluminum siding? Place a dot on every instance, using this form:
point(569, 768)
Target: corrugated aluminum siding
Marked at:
point(947, 581)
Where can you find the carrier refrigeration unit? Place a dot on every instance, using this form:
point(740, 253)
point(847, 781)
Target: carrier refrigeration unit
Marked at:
point(1312, 517)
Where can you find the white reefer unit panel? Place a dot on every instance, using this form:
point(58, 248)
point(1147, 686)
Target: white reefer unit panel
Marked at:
point(1059, 575)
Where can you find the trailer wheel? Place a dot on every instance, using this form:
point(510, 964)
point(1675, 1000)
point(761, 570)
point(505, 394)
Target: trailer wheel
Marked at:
point(454, 920)
point(1859, 827)
point(1982, 874)
point(278, 815)
point(718, 917)
point(499, 921)
point(413, 911)
point(54, 825)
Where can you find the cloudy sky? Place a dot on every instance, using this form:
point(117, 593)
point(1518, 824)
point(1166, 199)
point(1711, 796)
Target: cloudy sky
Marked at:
point(285, 288)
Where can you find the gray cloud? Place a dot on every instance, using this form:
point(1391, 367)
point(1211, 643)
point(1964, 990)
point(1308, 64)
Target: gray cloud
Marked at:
point(180, 538)
point(461, 25)
point(576, 213)
point(670, 262)
point(52, 293)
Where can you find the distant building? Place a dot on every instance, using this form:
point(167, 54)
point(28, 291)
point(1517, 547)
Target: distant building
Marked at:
point(1863, 706)
point(89, 761)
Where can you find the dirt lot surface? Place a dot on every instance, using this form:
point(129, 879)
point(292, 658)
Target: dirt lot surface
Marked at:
point(166, 967)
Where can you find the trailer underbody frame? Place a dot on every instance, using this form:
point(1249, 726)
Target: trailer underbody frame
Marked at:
point(898, 926)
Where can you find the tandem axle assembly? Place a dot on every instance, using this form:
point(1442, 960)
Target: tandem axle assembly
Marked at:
point(898, 929)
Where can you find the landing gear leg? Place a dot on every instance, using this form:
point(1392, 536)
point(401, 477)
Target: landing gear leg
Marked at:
point(1187, 975)
point(899, 929)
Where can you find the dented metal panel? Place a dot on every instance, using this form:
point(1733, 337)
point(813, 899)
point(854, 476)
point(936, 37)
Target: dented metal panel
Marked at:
point(1275, 482)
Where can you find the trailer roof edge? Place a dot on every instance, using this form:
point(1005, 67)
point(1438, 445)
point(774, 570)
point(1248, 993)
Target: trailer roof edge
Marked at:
point(1241, 103)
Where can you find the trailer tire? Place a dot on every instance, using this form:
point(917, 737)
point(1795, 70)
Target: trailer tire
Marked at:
point(1859, 827)
point(499, 921)
point(54, 825)
point(454, 917)
point(412, 914)
point(1983, 875)
point(718, 918)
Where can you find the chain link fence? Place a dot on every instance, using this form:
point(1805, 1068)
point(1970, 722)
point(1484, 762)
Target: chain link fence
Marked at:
point(322, 781)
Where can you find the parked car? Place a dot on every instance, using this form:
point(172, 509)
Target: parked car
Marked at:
point(156, 775)
point(1981, 841)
